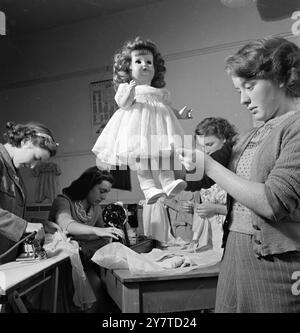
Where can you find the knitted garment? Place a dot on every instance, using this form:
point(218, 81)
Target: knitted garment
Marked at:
point(241, 215)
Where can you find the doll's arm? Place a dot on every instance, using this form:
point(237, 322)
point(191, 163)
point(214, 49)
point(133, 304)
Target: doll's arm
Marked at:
point(125, 94)
point(184, 113)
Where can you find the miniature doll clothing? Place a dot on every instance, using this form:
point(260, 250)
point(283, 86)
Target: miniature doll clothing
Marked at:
point(182, 221)
point(216, 195)
point(147, 128)
point(208, 232)
point(156, 224)
point(47, 182)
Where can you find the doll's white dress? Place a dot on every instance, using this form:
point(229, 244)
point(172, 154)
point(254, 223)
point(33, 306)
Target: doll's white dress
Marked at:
point(144, 130)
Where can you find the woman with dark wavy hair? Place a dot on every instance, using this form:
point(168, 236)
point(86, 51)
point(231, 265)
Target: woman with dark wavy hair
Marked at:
point(261, 265)
point(26, 144)
point(78, 212)
point(145, 125)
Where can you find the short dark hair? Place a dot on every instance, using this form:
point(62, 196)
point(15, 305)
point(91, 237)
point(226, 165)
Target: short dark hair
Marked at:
point(217, 126)
point(271, 58)
point(80, 188)
point(36, 132)
point(122, 62)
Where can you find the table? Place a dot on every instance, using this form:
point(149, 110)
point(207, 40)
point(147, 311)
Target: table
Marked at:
point(17, 278)
point(195, 290)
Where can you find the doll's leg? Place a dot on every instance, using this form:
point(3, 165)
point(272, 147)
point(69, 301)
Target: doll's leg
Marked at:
point(147, 184)
point(171, 186)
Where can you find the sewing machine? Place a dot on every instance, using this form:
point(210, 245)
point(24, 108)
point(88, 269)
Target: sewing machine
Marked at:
point(115, 215)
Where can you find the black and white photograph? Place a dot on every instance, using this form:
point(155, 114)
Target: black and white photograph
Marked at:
point(149, 161)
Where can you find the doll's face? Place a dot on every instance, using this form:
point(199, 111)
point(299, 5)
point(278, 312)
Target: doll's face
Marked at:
point(142, 67)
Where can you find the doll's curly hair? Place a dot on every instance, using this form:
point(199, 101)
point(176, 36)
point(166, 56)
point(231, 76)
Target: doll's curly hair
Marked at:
point(122, 62)
point(35, 132)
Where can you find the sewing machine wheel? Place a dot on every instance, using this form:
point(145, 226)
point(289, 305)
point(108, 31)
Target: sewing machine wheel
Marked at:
point(114, 215)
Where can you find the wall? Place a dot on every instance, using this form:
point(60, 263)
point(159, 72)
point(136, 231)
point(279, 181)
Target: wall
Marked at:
point(48, 74)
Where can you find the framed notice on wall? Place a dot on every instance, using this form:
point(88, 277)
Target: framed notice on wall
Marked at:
point(103, 105)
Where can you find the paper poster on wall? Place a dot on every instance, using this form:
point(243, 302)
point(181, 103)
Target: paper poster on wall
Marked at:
point(103, 105)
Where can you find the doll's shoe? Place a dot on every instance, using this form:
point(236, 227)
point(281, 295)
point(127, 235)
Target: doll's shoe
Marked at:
point(175, 187)
point(152, 195)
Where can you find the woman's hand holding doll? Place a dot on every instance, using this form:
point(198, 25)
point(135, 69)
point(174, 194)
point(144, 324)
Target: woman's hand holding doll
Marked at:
point(191, 158)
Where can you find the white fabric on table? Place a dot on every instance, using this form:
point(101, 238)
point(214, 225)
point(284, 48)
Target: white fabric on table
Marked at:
point(84, 296)
point(118, 256)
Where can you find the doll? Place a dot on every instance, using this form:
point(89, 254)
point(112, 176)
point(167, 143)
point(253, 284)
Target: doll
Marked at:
point(144, 132)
